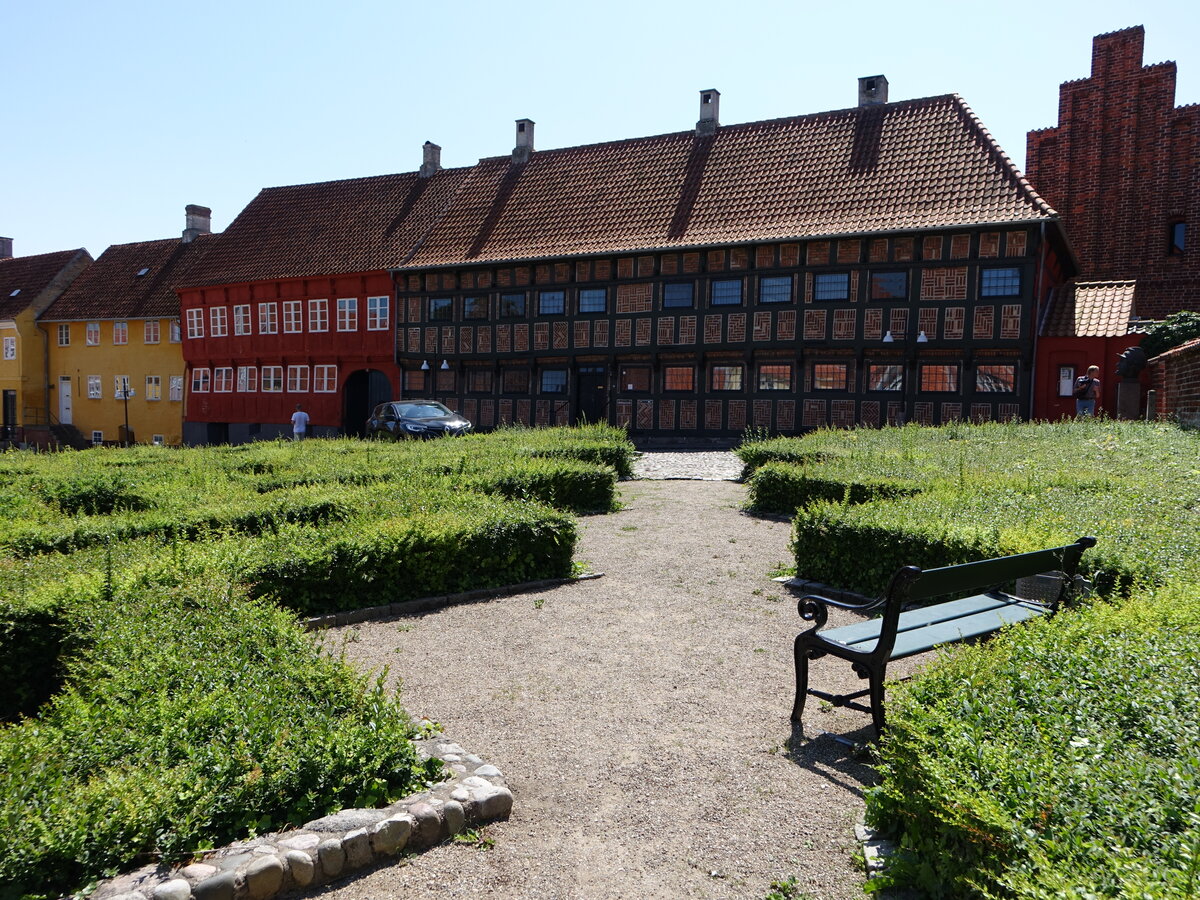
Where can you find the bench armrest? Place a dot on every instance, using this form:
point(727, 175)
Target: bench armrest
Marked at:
point(815, 608)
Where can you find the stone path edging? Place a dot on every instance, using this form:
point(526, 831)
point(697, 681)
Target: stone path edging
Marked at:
point(331, 847)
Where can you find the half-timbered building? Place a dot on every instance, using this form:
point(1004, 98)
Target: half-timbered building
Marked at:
point(878, 264)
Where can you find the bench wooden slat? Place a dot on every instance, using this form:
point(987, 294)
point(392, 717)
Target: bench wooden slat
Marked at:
point(972, 576)
point(861, 632)
point(919, 640)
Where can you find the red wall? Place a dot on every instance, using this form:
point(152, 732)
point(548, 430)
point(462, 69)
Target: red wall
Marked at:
point(350, 351)
point(1175, 376)
point(1079, 353)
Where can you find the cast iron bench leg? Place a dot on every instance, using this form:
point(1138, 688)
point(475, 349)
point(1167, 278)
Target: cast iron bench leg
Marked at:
point(801, 654)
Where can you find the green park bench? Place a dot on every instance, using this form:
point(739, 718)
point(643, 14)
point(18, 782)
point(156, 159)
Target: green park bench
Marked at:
point(905, 629)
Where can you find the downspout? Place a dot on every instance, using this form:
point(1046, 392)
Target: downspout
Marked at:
point(45, 370)
point(1037, 318)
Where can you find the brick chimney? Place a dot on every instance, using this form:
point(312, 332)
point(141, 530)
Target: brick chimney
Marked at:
point(524, 146)
point(197, 220)
point(431, 160)
point(5, 248)
point(872, 90)
point(710, 107)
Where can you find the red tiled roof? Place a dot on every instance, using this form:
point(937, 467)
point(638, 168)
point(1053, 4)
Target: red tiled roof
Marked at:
point(30, 275)
point(916, 164)
point(330, 228)
point(1093, 309)
point(111, 287)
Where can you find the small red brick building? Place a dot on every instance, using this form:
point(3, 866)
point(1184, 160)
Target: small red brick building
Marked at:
point(1122, 168)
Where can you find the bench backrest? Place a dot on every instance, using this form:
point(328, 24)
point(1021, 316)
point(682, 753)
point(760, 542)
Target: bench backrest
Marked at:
point(912, 584)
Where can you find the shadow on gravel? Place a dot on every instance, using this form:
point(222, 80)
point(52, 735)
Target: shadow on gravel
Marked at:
point(842, 760)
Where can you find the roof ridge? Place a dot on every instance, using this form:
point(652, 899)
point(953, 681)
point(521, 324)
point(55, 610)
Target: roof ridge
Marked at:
point(15, 259)
point(1003, 159)
point(360, 178)
point(721, 129)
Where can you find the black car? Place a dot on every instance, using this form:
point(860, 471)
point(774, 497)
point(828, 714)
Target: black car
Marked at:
point(415, 419)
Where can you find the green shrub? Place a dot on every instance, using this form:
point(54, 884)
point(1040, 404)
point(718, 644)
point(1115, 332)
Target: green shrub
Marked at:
point(1171, 332)
point(777, 487)
point(91, 494)
point(35, 632)
point(485, 542)
point(197, 716)
point(1061, 759)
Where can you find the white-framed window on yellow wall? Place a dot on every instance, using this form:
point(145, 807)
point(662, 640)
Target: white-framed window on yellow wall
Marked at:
point(150, 332)
point(64, 335)
point(94, 387)
point(176, 388)
point(153, 387)
point(93, 334)
point(120, 333)
point(10, 348)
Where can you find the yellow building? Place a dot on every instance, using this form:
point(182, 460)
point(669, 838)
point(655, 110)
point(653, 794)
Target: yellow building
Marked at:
point(28, 285)
point(115, 356)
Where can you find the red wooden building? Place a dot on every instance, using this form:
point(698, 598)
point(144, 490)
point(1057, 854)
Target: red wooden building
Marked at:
point(294, 304)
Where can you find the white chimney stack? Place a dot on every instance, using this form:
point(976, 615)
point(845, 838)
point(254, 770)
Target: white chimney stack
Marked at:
point(872, 90)
point(710, 109)
point(432, 159)
point(197, 220)
point(524, 146)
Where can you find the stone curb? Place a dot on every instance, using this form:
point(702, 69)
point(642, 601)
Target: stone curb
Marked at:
point(424, 604)
point(333, 846)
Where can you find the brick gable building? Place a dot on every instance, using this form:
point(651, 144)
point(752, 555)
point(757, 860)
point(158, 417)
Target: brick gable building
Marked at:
point(1122, 167)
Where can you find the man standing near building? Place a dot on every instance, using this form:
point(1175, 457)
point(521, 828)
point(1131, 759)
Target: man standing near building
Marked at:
point(1087, 392)
point(300, 423)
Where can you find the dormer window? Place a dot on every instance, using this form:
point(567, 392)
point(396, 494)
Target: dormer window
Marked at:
point(15, 292)
point(142, 272)
point(1177, 238)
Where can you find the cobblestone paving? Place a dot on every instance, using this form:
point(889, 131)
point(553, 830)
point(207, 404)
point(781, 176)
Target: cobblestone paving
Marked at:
point(693, 465)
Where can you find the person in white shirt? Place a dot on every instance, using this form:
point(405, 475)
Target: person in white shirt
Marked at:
point(299, 423)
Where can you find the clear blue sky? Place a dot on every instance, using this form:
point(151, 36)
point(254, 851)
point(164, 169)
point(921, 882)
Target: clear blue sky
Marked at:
point(118, 114)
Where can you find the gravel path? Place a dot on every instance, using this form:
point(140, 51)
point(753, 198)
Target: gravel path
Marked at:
point(641, 719)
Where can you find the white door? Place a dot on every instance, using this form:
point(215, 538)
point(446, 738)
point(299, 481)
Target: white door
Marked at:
point(64, 399)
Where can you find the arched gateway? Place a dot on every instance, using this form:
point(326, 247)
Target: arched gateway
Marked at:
point(362, 392)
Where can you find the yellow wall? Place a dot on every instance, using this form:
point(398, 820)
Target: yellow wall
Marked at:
point(26, 373)
point(136, 359)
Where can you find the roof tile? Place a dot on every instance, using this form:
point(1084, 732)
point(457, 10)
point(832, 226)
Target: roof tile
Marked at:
point(1093, 309)
point(29, 275)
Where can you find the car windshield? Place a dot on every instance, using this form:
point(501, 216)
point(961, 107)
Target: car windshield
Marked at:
point(424, 410)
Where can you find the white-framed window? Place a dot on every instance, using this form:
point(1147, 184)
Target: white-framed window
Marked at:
point(176, 332)
point(218, 324)
point(94, 391)
point(121, 387)
point(293, 316)
point(120, 333)
point(200, 381)
point(241, 318)
point(153, 387)
point(324, 379)
point(97, 438)
point(272, 378)
point(158, 440)
point(268, 318)
point(318, 315)
point(377, 313)
point(175, 387)
point(150, 332)
point(297, 382)
point(93, 334)
point(1066, 381)
point(10, 348)
point(347, 314)
point(223, 379)
point(247, 379)
point(195, 324)
point(64, 335)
